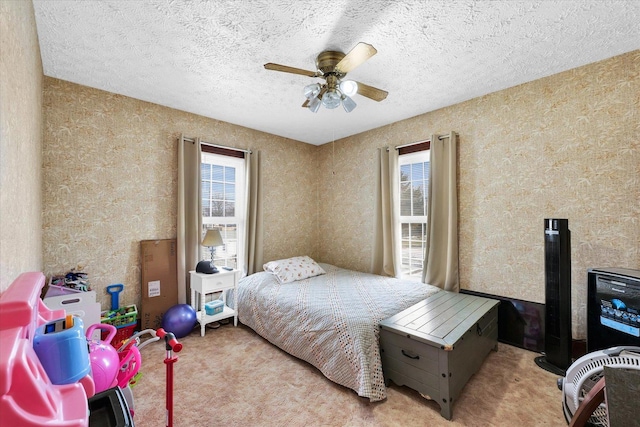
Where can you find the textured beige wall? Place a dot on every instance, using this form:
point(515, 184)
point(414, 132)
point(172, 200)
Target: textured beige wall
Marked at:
point(565, 146)
point(110, 181)
point(20, 142)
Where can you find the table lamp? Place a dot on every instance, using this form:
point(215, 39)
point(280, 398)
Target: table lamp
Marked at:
point(212, 239)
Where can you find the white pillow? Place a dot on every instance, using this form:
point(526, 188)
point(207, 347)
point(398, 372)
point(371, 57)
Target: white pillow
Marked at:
point(292, 269)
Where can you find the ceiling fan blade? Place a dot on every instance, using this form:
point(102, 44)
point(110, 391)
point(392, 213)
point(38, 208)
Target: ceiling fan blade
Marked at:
point(356, 56)
point(372, 92)
point(292, 70)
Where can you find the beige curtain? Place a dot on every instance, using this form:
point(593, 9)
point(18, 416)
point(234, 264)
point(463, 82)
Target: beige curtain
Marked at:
point(441, 254)
point(386, 252)
point(189, 227)
point(253, 255)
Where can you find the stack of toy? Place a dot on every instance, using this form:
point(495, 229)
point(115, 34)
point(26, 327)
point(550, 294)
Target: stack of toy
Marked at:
point(28, 395)
point(75, 280)
point(123, 318)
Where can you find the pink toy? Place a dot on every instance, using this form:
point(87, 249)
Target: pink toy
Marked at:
point(130, 362)
point(105, 363)
point(27, 396)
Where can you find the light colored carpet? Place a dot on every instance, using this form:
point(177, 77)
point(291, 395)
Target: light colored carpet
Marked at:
point(233, 377)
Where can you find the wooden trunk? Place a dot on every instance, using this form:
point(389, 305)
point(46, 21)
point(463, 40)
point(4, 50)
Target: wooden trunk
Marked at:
point(436, 345)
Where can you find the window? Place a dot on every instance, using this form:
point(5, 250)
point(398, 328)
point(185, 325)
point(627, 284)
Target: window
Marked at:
point(223, 205)
point(414, 190)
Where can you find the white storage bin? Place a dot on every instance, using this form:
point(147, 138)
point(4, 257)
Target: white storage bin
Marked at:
point(81, 304)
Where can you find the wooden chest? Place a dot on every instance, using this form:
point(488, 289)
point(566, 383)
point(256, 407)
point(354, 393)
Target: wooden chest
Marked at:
point(437, 344)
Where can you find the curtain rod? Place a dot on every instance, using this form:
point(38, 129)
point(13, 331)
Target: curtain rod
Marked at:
point(420, 142)
point(217, 146)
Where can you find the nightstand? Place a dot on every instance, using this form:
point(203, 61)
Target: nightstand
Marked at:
point(203, 284)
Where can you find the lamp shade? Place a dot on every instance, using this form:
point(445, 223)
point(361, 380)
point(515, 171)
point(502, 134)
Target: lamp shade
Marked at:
point(348, 103)
point(331, 99)
point(212, 238)
point(310, 91)
point(314, 104)
point(348, 87)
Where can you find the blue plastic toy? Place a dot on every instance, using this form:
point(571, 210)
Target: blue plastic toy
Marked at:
point(115, 290)
point(62, 349)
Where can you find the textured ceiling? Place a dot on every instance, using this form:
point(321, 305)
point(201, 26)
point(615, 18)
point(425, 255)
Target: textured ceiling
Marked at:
point(206, 57)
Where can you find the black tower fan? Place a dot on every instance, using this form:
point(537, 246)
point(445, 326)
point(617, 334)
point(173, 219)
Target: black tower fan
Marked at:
point(557, 272)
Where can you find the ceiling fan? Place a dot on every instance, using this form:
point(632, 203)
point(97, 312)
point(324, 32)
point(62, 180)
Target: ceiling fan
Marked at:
point(333, 67)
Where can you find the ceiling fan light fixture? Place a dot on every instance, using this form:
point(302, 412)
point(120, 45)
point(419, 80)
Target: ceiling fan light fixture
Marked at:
point(348, 87)
point(314, 104)
point(312, 90)
point(348, 103)
point(331, 99)
point(333, 66)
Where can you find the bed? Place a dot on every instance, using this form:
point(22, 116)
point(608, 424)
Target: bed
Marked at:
point(329, 320)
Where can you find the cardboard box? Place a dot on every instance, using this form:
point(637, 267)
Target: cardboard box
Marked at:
point(159, 281)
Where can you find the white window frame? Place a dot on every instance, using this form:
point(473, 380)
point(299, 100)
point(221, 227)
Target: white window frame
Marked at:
point(231, 253)
point(408, 269)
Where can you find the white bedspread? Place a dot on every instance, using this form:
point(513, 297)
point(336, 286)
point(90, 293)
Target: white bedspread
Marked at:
point(330, 321)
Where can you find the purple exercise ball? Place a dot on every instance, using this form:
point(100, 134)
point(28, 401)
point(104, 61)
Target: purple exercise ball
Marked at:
point(179, 319)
